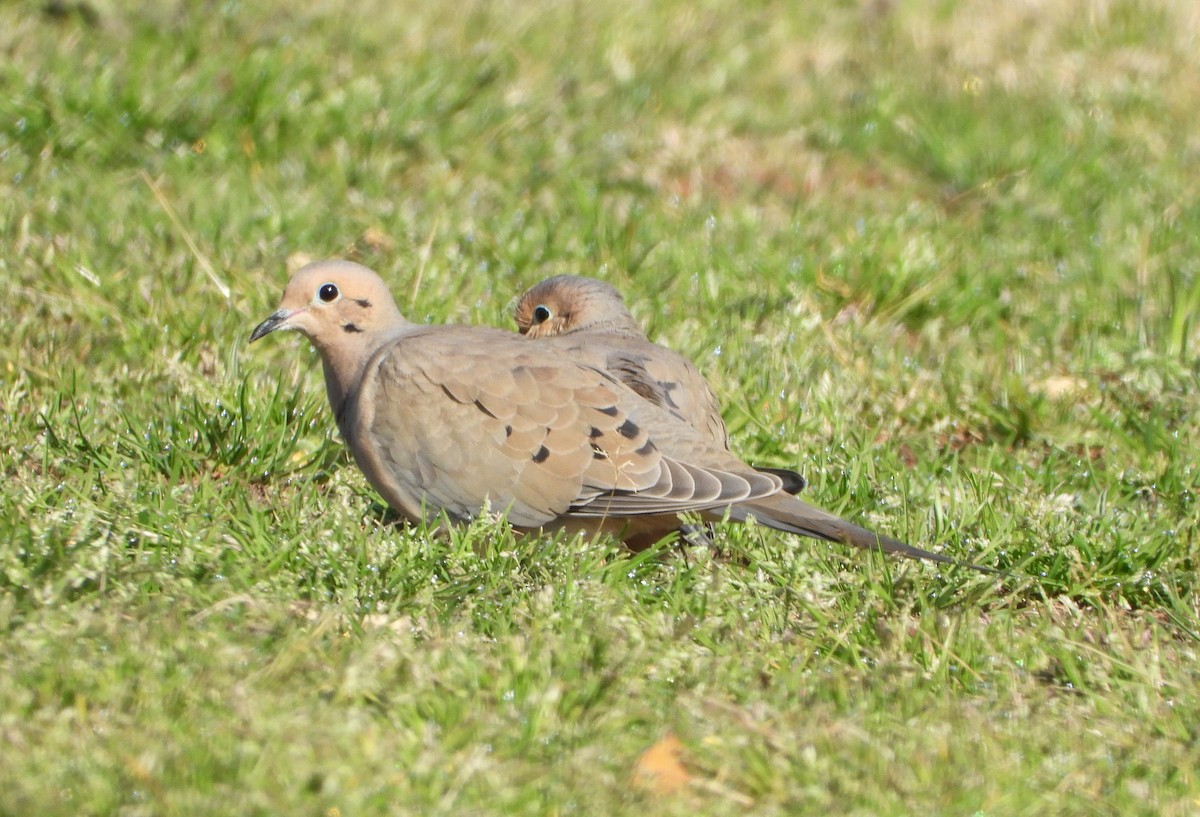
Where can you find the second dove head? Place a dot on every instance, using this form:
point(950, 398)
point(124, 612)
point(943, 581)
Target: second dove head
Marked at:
point(569, 303)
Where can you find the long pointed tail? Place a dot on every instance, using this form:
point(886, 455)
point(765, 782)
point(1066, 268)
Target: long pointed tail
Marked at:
point(786, 513)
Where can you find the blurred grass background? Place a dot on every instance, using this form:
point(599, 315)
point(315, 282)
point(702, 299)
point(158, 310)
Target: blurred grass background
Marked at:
point(941, 257)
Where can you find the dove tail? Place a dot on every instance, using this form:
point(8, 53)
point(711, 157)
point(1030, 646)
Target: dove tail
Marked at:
point(786, 513)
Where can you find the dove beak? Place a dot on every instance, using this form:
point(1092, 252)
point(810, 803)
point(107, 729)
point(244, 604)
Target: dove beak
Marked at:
point(278, 320)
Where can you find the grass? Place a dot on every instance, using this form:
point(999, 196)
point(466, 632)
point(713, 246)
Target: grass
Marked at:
point(942, 258)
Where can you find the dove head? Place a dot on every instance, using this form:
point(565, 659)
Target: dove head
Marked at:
point(569, 303)
point(346, 311)
point(335, 304)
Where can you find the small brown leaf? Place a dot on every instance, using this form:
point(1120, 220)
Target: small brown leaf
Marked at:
point(377, 240)
point(297, 260)
point(659, 769)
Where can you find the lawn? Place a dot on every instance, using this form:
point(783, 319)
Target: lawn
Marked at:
point(942, 258)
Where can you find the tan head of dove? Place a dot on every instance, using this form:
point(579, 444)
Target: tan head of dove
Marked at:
point(332, 301)
point(566, 304)
point(343, 308)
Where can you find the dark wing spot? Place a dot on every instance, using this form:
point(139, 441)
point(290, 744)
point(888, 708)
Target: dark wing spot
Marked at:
point(643, 389)
point(508, 431)
point(667, 388)
point(484, 409)
point(541, 455)
point(646, 449)
point(628, 429)
point(595, 432)
point(351, 328)
point(598, 452)
point(611, 411)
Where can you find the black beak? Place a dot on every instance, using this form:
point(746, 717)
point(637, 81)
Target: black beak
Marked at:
point(271, 324)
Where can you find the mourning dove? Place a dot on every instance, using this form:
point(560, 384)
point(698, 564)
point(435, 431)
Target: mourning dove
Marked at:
point(457, 419)
point(589, 317)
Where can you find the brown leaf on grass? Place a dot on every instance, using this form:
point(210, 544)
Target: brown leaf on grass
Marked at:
point(375, 239)
point(659, 769)
point(297, 260)
point(960, 437)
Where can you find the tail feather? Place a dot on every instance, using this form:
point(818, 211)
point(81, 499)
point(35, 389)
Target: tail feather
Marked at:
point(793, 483)
point(786, 513)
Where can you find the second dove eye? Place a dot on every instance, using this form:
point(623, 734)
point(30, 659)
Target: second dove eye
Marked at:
point(541, 314)
point(327, 293)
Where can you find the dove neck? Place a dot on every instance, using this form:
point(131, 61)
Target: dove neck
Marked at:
point(337, 387)
point(343, 364)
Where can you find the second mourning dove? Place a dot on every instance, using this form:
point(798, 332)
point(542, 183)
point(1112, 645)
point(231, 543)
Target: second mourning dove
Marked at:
point(589, 317)
point(457, 419)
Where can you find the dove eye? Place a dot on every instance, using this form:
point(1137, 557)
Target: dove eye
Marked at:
point(328, 293)
point(541, 313)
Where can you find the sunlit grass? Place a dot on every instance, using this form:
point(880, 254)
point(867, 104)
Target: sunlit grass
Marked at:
point(940, 259)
